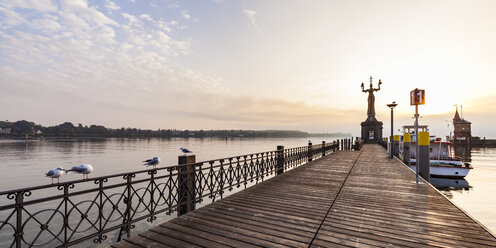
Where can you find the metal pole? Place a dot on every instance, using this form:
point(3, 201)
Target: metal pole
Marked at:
point(391, 139)
point(416, 145)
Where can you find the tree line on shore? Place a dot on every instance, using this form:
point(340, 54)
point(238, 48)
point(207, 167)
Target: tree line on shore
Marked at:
point(67, 129)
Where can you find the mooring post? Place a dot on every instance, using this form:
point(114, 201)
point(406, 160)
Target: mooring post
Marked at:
point(423, 155)
point(310, 152)
point(396, 145)
point(280, 160)
point(186, 184)
point(323, 148)
point(406, 148)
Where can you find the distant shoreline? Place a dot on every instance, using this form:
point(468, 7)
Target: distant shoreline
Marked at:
point(3, 137)
point(23, 129)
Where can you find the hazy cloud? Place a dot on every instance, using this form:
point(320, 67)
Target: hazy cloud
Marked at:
point(185, 14)
point(38, 5)
point(251, 14)
point(111, 6)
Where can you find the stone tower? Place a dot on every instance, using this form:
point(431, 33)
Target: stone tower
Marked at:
point(462, 130)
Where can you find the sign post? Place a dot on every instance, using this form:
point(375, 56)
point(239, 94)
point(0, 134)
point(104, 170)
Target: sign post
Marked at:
point(417, 97)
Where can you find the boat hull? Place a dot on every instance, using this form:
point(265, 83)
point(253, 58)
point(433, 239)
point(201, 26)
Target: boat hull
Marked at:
point(446, 171)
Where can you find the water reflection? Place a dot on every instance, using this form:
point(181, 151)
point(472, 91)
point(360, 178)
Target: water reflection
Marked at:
point(448, 185)
point(465, 152)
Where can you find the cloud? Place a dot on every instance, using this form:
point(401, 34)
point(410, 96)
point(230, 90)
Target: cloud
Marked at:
point(11, 18)
point(111, 6)
point(46, 24)
point(146, 17)
point(185, 14)
point(38, 5)
point(174, 5)
point(251, 14)
point(131, 18)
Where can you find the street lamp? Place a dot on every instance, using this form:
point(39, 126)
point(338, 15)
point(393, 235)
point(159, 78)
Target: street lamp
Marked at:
point(391, 106)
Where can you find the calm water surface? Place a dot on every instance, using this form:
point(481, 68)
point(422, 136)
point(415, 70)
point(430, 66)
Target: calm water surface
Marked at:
point(476, 194)
point(23, 163)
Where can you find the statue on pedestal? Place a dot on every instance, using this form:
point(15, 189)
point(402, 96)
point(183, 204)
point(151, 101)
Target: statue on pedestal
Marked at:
point(371, 128)
point(371, 108)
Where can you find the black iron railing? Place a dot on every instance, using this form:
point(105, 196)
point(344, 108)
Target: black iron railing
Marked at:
point(69, 213)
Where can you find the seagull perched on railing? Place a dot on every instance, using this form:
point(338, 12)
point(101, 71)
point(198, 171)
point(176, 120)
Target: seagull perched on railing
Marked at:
point(152, 162)
point(84, 169)
point(56, 173)
point(184, 150)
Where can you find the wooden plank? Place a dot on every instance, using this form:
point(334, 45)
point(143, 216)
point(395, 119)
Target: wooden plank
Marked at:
point(206, 235)
point(233, 234)
point(166, 240)
point(143, 242)
point(263, 238)
point(292, 238)
point(187, 237)
point(126, 244)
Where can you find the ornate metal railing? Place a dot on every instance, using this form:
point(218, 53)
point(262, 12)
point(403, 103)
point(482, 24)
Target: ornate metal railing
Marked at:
point(69, 213)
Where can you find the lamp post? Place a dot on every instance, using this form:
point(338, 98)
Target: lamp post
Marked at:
point(391, 106)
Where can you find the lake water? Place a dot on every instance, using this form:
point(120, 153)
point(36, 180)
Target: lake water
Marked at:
point(477, 193)
point(23, 164)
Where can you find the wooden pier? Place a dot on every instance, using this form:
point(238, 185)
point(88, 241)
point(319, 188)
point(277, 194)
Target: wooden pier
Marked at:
point(346, 199)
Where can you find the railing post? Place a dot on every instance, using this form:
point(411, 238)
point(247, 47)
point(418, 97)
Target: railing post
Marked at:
point(280, 160)
point(186, 184)
point(19, 198)
point(323, 148)
point(310, 152)
point(128, 202)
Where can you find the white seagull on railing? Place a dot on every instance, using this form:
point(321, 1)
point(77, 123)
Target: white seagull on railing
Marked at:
point(152, 162)
point(184, 150)
point(56, 173)
point(84, 169)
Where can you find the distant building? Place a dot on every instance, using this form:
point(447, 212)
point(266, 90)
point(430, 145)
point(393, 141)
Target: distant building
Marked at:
point(5, 130)
point(462, 128)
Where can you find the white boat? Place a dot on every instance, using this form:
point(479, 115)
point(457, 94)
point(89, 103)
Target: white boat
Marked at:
point(441, 160)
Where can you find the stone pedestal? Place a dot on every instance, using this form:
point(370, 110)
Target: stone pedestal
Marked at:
point(371, 131)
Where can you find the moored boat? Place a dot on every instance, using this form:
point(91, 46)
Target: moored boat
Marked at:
point(442, 162)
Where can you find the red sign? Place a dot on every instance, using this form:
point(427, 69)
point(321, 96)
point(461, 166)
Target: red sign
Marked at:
point(417, 97)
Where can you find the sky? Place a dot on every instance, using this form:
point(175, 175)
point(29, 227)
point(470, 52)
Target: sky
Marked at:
point(225, 64)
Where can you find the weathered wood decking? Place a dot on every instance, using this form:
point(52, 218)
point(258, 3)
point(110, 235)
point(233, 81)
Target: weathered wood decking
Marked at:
point(347, 199)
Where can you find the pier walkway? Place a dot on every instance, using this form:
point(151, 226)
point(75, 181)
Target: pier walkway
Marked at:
point(346, 199)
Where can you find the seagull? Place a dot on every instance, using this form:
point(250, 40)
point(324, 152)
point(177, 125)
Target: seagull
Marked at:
point(56, 173)
point(153, 162)
point(184, 150)
point(84, 169)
